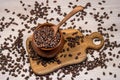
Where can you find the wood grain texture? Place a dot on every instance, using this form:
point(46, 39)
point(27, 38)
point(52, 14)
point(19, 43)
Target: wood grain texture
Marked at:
point(74, 55)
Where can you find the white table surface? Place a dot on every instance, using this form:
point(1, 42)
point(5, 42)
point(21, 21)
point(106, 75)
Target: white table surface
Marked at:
point(110, 5)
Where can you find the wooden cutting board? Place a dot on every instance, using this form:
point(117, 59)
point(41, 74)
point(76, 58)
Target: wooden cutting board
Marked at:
point(73, 52)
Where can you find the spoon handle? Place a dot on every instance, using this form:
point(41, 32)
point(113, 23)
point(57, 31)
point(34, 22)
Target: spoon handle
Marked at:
point(74, 11)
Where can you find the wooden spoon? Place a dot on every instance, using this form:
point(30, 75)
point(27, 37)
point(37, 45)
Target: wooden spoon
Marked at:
point(74, 11)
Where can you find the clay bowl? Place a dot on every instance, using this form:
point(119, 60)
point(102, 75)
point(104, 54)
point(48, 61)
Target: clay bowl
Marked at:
point(47, 52)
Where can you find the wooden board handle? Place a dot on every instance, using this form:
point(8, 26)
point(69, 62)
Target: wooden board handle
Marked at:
point(90, 40)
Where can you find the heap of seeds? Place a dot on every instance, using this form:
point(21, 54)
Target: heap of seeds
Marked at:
point(44, 37)
point(73, 41)
point(13, 57)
